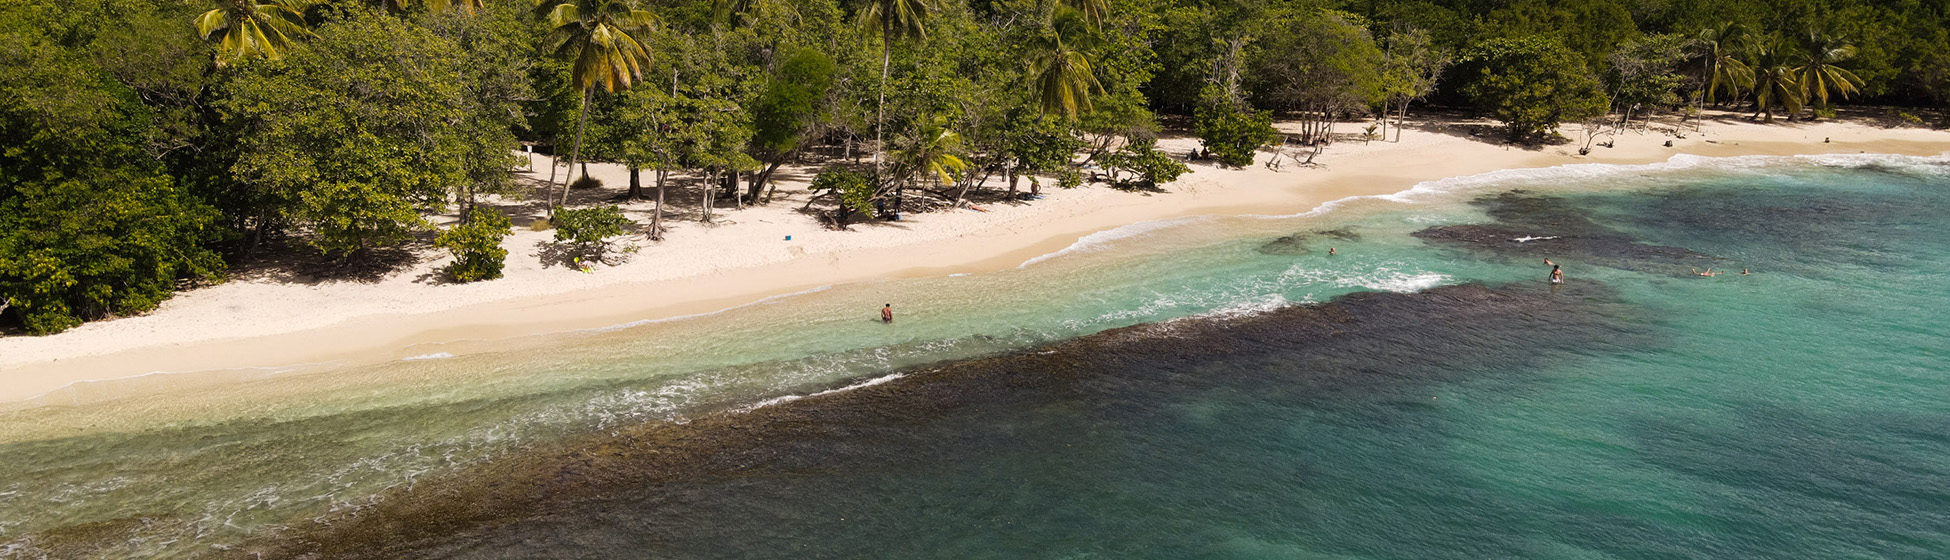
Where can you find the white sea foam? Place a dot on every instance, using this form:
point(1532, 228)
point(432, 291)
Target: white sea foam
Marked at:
point(1099, 240)
point(789, 398)
point(433, 356)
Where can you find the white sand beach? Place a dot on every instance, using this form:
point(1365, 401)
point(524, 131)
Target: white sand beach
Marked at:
point(274, 320)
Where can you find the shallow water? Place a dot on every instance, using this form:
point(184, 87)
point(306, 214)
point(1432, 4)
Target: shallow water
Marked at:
point(1639, 411)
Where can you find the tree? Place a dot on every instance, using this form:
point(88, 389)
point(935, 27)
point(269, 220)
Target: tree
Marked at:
point(358, 132)
point(1775, 84)
point(891, 21)
point(1720, 63)
point(247, 28)
point(1532, 84)
point(852, 191)
point(586, 231)
point(1232, 133)
point(1060, 75)
point(1818, 74)
point(788, 110)
point(1410, 68)
point(931, 152)
point(1148, 166)
point(90, 225)
point(596, 34)
point(1319, 64)
point(476, 245)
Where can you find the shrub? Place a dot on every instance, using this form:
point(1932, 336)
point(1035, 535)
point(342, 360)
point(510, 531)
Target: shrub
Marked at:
point(586, 182)
point(854, 191)
point(585, 229)
point(476, 246)
point(1147, 165)
point(1233, 135)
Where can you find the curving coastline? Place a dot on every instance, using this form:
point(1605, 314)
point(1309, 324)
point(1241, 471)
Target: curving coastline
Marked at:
point(702, 270)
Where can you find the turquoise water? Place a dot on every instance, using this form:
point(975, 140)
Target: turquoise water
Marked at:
point(1462, 409)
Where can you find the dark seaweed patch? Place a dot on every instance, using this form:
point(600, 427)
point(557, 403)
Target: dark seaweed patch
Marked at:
point(1298, 243)
point(769, 480)
point(1533, 227)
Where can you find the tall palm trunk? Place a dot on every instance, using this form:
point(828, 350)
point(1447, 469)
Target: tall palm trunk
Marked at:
point(582, 120)
point(880, 116)
point(657, 219)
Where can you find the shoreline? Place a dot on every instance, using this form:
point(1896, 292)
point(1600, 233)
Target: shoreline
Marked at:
point(698, 270)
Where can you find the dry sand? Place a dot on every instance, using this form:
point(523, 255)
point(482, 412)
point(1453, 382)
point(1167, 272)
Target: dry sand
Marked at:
point(745, 256)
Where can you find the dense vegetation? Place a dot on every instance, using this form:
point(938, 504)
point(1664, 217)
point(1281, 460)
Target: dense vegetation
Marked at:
point(145, 144)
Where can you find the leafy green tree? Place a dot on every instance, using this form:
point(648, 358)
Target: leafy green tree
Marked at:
point(931, 152)
point(476, 245)
point(1775, 84)
point(1148, 166)
point(851, 190)
point(358, 131)
point(788, 110)
point(1532, 84)
point(246, 28)
point(90, 226)
point(1410, 67)
point(1318, 64)
point(1818, 73)
point(597, 36)
point(1233, 134)
point(586, 231)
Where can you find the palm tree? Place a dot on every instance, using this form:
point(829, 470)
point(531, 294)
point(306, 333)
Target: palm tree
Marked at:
point(1061, 75)
point(1093, 10)
point(1724, 70)
point(1774, 83)
point(596, 35)
point(931, 152)
point(1818, 73)
point(246, 28)
point(893, 20)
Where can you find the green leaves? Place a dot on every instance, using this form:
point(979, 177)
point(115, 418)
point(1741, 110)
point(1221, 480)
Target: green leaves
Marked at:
point(247, 28)
point(1532, 84)
point(586, 229)
point(476, 246)
point(357, 133)
point(598, 36)
point(1149, 166)
point(1233, 134)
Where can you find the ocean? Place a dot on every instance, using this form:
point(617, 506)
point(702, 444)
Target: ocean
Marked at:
point(1213, 387)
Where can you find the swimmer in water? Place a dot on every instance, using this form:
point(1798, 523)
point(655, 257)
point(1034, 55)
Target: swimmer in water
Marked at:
point(1709, 272)
point(1557, 275)
point(1547, 262)
point(1743, 272)
point(1330, 251)
point(887, 313)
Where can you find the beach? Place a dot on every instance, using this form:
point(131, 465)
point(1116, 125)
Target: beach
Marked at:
point(268, 324)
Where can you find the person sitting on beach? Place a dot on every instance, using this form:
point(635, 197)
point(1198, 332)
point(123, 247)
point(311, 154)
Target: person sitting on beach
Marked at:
point(887, 313)
point(1557, 274)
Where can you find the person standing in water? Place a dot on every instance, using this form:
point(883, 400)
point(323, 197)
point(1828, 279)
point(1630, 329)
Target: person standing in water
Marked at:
point(887, 313)
point(1330, 251)
point(1557, 274)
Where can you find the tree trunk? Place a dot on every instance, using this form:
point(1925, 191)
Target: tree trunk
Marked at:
point(657, 219)
point(880, 109)
point(760, 179)
point(710, 192)
point(636, 183)
point(549, 191)
point(1013, 177)
point(582, 119)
